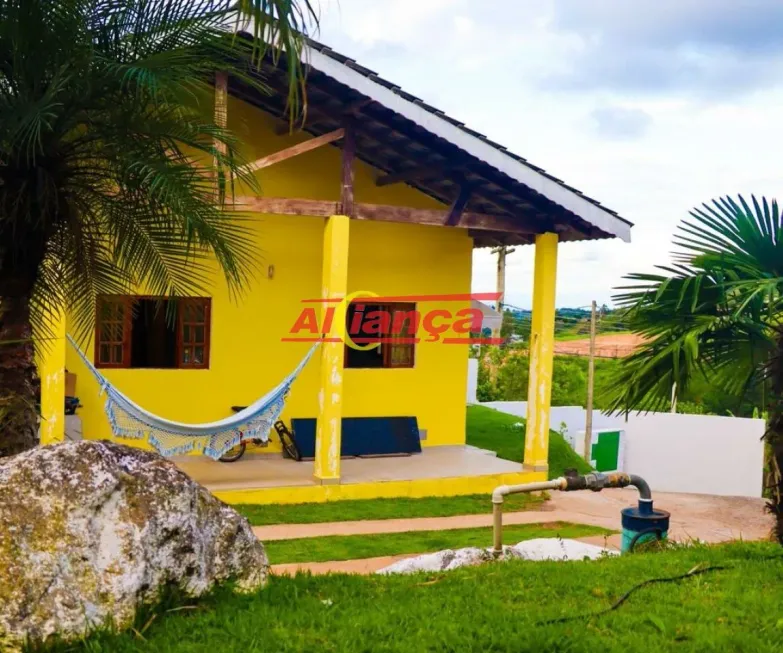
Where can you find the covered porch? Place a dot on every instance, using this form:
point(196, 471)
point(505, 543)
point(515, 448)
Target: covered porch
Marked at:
point(269, 478)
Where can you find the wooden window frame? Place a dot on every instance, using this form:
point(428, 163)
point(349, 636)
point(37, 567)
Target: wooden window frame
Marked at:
point(207, 324)
point(405, 307)
point(128, 301)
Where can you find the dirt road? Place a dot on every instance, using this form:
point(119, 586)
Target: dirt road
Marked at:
point(606, 346)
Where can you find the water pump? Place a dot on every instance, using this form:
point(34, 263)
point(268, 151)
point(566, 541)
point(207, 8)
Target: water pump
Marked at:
point(642, 523)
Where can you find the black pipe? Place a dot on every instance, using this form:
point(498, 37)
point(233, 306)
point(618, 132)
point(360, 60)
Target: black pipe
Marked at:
point(597, 482)
point(640, 484)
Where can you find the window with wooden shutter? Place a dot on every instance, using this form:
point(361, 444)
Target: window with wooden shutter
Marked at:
point(152, 332)
point(112, 337)
point(194, 333)
point(399, 350)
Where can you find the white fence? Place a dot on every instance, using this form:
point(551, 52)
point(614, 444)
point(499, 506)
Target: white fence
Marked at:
point(473, 367)
point(702, 454)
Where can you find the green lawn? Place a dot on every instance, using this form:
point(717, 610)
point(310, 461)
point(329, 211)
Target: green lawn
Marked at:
point(400, 508)
point(496, 608)
point(496, 431)
point(353, 547)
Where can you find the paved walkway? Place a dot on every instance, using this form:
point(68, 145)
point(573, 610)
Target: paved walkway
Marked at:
point(372, 527)
point(707, 518)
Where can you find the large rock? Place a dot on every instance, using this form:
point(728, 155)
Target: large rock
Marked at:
point(90, 530)
point(544, 548)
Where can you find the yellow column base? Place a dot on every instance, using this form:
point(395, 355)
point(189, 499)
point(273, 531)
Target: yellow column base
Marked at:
point(328, 435)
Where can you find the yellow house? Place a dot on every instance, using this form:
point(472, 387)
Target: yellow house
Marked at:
point(379, 194)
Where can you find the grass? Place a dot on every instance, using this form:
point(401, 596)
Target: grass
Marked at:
point(354, 547)
point(496, 608)
point(400, 508)
point(490, 429)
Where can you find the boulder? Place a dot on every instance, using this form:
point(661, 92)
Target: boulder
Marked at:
point(545, 548)
point(91, 530)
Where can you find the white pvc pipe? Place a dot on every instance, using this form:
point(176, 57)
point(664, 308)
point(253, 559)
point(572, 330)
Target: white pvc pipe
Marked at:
point(499, 492)
point(497, 504)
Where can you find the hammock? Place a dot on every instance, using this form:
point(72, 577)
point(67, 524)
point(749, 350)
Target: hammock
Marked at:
point(213, 439)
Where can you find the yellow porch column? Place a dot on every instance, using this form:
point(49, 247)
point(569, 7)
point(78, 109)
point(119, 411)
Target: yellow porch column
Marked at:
point(51, 370)
point(542, 341)
point(334, 282)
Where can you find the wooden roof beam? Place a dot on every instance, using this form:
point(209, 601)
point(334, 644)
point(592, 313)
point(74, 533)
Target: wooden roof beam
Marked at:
point(221, 120)
point(384, 213)
point(296, 150)
point(347, 172)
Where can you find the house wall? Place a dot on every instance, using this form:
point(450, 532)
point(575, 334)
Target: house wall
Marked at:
point(247, 355)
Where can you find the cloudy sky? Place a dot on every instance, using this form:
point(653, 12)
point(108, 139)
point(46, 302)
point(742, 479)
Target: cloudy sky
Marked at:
point(649, 106)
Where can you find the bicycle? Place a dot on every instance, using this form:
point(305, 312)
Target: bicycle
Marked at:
point(286, 439)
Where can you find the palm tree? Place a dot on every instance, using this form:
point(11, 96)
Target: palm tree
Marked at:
point(109, 154)
point(716, 311)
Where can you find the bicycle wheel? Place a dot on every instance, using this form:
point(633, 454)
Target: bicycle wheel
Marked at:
point(234, 454)
point(287, 440)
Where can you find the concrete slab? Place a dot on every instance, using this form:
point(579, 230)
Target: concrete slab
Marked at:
point(272, 470)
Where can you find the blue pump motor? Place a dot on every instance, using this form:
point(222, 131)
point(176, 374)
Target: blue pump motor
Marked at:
point(643, 524)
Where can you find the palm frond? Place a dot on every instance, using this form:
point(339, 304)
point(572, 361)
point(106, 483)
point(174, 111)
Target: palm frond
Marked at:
point(715, 312)
point(280, 28)
point(109, 150)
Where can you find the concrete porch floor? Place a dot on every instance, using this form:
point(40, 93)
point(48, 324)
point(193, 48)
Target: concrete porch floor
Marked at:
point(451, 466)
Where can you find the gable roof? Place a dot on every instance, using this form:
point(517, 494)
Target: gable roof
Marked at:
point(402, 135)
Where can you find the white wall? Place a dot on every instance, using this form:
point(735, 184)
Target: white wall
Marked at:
point(472, 380)
point(703, 454)
point(569, 419)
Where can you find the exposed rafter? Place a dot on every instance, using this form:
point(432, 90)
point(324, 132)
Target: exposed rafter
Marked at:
point(412, 174)
point(458, 207)
point(314, 117)
point(296, 150)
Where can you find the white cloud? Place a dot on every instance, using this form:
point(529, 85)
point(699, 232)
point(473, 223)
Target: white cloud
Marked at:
point(391, 21)
point(489, 64)
point(620, 123)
